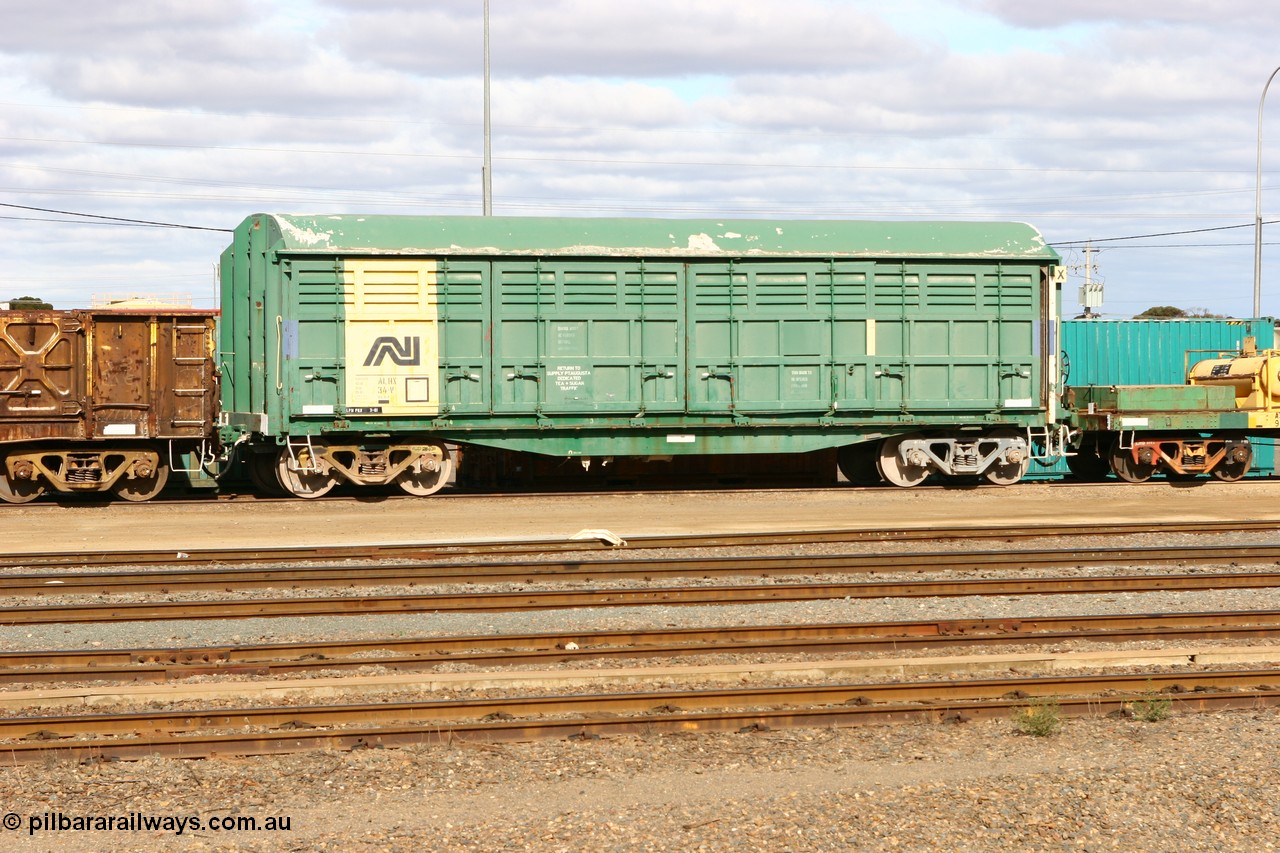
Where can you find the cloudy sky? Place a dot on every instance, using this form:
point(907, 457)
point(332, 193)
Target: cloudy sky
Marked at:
point(1092, 120)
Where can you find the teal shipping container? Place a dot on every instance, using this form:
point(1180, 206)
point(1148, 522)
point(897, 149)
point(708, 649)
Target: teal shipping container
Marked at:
point(1153, 352)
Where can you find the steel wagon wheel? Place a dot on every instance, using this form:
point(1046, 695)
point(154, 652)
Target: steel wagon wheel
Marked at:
point(1126, 468)
point(427, 482)
point(1088, 463)
point(142, 488)
point(297, 479)
point(895, 471)
point(1004, 473)
point(858, 464)
point(262, 473)
point(15, 491)
point(1239, 461)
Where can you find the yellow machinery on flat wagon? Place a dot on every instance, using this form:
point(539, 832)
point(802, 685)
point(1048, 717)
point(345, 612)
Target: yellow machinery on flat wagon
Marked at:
point(1255, 378)
point(1203, 427)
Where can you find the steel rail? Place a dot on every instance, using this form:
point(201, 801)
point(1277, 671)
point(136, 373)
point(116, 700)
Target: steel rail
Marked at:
point(647, 569)
point(445, 645)
point(745, 722)
point(620, 597)
point(193, 556)
point(684, 711)
point(470, 643)
point(22, 669)
point(131, 723)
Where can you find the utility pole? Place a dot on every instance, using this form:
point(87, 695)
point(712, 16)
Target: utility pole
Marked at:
point(486, 171)
point(1090, 291)
point(1257, 207)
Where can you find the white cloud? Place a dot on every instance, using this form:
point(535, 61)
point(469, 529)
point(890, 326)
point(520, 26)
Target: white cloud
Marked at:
point(659, 38)
point(1089, 120)
point(1237, 13)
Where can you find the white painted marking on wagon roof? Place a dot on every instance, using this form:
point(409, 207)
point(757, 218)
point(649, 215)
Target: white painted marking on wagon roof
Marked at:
point(304, 235)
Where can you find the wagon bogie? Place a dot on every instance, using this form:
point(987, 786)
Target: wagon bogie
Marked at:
point(132, 469)
point(1001, 457)
point(309, 468)
point(1136, 457)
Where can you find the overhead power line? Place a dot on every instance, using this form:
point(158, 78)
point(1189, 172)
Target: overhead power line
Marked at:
point(149, 223)
point(119, 220)
point(1073, 243)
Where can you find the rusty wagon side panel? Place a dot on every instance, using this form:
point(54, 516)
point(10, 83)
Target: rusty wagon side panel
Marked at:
point(42, 375)
point(152, 375)
point(98, 400)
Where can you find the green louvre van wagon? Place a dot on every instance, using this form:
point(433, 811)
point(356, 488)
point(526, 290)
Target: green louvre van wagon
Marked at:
point(356, 348)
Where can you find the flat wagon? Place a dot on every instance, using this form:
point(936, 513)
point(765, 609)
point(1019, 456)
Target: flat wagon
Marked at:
point(103, 400)
point(358, 348)
point(1203, 426)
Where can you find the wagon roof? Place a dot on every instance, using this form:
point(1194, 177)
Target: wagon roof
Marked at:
point(477, 235)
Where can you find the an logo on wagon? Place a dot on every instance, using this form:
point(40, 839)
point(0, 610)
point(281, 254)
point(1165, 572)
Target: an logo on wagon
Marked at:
point(402, 351)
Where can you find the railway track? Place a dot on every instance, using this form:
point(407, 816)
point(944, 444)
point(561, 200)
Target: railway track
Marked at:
point(595, 571)
point(188, 734)
point(577, 583)
point(592, 542)
point(621, 597)
point(159, 664)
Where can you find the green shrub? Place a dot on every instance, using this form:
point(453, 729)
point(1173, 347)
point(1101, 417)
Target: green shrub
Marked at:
point(1152, 708)
point(1041, 718)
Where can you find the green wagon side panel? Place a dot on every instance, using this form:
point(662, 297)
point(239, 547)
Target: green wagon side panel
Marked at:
point(1158, 421)
point(311, 370)
point(959, 336)
point(761, 337)
point(574, 337)
point(1154, 398)
point(466, 384)
point(1156, 408)
point(633, 336)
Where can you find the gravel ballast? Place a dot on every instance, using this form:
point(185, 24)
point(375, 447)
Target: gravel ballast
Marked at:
point(1189, 782)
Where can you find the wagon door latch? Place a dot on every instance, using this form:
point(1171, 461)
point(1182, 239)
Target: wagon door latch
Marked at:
point(461, 374)
point(653, 371)
point(524, 373)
